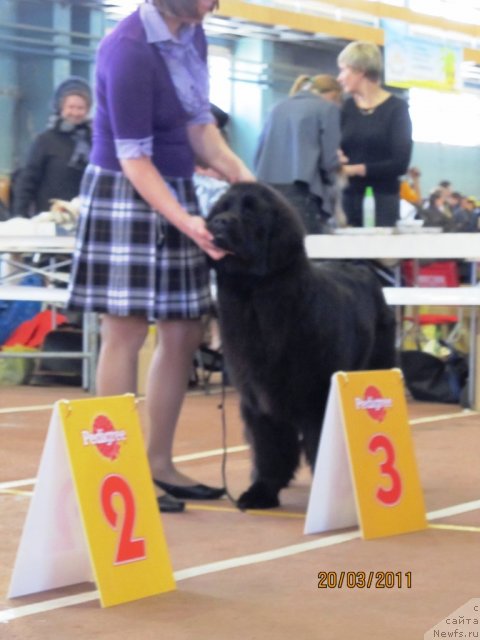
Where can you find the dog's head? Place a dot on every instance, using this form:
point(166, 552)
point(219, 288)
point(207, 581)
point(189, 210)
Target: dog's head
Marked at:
point(259, 229)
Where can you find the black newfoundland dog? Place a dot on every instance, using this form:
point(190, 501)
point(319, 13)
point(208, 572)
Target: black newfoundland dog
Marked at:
point(287, 325)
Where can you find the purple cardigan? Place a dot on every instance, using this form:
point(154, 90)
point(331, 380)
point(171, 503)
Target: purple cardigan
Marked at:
point(136, 100)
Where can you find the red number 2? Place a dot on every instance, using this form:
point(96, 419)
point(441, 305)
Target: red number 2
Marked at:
point(129, 549)
point(390, 496)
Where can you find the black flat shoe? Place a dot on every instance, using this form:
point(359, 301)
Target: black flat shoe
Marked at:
point(168, 504)
point(193, 492)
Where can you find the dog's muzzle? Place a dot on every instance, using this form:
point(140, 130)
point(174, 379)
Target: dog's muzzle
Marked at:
point(221, 226)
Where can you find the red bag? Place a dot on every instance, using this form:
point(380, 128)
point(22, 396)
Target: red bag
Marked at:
point(31, 333)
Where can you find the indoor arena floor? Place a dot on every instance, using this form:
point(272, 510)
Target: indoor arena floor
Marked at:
point(254, 575)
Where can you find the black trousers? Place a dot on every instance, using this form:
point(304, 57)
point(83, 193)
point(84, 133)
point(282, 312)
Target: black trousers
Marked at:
point(308, 205)
point(387, 209)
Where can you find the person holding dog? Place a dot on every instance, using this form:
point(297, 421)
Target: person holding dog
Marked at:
point(307, 124)
point(142, 247)
point(376, 136)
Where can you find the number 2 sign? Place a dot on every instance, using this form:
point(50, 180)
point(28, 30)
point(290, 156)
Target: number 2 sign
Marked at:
point(366, 470)
point(116, 498)
point(94, 472)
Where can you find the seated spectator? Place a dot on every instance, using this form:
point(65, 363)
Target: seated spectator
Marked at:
point(410, 189)
point(434, 214)
point(454, 201)
point(445, 188)
point(464, 217)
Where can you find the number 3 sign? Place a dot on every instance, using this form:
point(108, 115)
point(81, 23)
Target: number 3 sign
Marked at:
point(366, 430)
point(105, 459)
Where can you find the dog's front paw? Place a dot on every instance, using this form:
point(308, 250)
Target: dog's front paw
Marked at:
point(258, 496)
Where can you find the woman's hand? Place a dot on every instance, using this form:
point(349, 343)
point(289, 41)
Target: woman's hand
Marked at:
point(351, 170)
point(342, 158)
point(196, 229)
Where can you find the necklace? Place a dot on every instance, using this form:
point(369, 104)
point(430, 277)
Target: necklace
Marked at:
point(367, 112)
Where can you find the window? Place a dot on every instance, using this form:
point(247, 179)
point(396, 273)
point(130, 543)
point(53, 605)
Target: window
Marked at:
point(220, 68)
point(448, 118)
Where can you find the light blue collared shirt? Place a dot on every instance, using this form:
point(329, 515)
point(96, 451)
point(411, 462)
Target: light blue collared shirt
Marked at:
point(188, 71)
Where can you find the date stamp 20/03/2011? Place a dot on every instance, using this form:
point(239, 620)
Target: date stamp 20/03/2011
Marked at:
point(365, 579)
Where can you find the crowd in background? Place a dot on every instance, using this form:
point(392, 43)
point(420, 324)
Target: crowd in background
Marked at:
point(310, 175)
point(444, 207)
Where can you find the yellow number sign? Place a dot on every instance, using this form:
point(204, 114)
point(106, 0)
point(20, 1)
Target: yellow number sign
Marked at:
point(379, 445)
point(116, 498)
point(365, 472)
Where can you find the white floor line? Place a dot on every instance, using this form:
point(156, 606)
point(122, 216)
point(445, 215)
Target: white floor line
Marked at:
point(15, 484)
point(211, 453)
point(8, 615)
point(241, 561)
point(224, 565)
point(38, 407)
point(466, 413)
point(43, 407)
point(453, 511)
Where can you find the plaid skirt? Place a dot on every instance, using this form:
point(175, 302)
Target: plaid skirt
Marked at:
point(129, 260)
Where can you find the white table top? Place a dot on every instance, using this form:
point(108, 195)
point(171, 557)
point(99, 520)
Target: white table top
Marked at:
point(38, 294)
point(416, 245)
point(34, 244)
point(433, 296)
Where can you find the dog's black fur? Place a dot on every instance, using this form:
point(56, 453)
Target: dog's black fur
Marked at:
point(287, 325)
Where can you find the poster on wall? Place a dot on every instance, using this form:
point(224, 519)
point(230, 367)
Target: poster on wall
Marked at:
point(414, 62)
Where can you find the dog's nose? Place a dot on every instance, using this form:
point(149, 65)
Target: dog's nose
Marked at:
point(219, 222)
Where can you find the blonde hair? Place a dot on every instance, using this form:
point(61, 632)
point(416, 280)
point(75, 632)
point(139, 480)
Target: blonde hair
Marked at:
point(322, 83)
point(365, 57)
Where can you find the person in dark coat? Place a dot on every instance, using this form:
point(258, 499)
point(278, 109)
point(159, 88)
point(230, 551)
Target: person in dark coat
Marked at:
point(59, 155)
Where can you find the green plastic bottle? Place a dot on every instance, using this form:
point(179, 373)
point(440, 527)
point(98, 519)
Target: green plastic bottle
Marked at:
point(368, 208)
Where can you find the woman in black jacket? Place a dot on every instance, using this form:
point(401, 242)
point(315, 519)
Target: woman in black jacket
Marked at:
point(59, 155)
point(376, 136)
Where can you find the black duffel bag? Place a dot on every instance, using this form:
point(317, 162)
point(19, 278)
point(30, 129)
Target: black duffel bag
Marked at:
point(435, 379)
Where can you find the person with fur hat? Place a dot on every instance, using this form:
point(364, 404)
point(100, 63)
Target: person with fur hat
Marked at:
point(59, 155)
point(142, 244)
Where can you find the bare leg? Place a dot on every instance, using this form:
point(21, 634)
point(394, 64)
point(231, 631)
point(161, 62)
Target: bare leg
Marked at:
point(122, 339)
point(166, 386)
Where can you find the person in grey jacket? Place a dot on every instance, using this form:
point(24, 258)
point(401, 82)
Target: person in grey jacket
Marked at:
point(297, 152)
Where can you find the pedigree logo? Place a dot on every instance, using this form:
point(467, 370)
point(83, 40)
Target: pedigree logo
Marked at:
point(105, 437)
point(374, 404)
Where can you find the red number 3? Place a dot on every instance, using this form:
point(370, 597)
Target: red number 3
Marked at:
point(129, 549)
point(390, 496)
